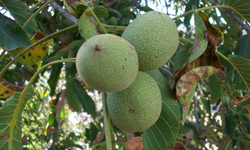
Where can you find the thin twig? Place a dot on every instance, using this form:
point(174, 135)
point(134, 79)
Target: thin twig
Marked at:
point(36, 13)
point(166, 71)
point(197, 4)
point(2, 54)
point(37, 5)
point(195, 112)
point(64, 12)
point(171, 62)
point(232, 15)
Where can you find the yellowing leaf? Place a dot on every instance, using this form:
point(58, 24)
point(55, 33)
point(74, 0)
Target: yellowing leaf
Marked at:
point(37, 53)
point(70, 5)
point(7, 89)
point(86, 25)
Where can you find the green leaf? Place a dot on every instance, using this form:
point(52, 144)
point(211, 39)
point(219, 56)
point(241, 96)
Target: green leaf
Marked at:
point(229, 68)
point(81, 8)
point(91, 132)
point(74, 45)
point(233, 29)
point(181, 55)
point(240, 84)
point(244, 117)
point(21, 13)
point(163, 134)
point(12, 35)
point(207, 105)
point(243, 47)
point(11, 121)
point(52, 119)
point(78, 98)
point(144, 8)
point(187, 126)
point(242, 7)
point(188, 17)
point(101, 11)
point(245, 103)
point(230, 125)
point(186, 103)
point(86, 28)
point(200, 41)
point(242, 66)
point(100, 146)
point(214, 87)
point(54, 77)
point(244, 141)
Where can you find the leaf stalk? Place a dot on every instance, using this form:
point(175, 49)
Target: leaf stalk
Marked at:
point(107, 124)
point(36, 13)
point(203, 8)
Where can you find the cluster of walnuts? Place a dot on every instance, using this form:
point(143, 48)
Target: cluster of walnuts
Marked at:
point(119, 65)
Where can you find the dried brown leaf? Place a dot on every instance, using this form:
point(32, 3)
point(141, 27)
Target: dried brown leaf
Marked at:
point(119, 138)
point(130, 135)
point(49, 130)
point(236, 100)
point(187, 81)
point(204, 66)
point(59, 103)
point(24, 140)
point(135, 143)
point(185, 107)
point(100, 137)
point(189, 135)
point(179, 146)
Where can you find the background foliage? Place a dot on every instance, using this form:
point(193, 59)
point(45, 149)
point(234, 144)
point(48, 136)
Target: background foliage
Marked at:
point(60, 112)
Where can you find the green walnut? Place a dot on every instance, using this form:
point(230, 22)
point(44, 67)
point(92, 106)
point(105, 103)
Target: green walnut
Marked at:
point(107, 63)
point(138, 107)
point(112, 20)
point(155, 38)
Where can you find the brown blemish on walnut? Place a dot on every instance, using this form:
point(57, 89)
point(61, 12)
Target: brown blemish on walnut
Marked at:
point(98, 48)
point(132, 110)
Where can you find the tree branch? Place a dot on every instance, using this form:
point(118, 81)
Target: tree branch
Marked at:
point(195, 112)
point(231, 14)
point(64, 12)
point(146, 3)
point(197, 4)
